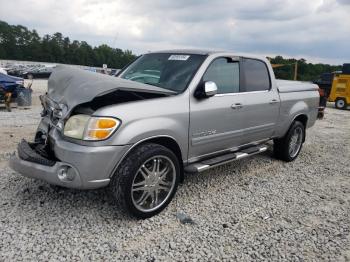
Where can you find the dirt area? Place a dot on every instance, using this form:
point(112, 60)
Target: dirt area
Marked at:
point(253, 209)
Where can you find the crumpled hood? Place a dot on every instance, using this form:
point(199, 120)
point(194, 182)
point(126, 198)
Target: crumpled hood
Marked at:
point(71, 86)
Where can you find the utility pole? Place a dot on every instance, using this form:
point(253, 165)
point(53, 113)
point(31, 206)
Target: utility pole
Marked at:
point(296, 70)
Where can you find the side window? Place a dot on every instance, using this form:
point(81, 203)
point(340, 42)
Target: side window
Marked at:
point(225, 73)
point(255, 76)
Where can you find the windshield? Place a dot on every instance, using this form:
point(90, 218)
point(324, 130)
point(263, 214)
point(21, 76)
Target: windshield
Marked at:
point(165, 70)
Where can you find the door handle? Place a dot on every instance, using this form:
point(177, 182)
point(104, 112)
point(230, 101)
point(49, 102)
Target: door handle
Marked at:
point(273, 101)
point(237, 106)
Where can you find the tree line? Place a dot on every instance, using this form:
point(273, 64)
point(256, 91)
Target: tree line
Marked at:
point(305, 71)
point(19, 43)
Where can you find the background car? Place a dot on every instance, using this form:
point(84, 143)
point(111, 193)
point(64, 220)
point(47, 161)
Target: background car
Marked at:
point(11, 83)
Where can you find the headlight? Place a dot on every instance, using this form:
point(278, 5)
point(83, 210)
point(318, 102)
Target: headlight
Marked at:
point(90, 128)
point(75, 126)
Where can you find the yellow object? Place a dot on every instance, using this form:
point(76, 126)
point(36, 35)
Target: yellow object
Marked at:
point(8, 96)
point(277, 65)
point(100, 128)
point(99, 134)
point(105, 123)
point(340, 92)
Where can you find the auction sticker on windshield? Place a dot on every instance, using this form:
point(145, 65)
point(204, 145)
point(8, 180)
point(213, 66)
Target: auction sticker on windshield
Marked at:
point(179, 57)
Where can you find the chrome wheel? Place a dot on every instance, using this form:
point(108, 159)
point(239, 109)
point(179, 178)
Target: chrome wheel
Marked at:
point(296, 141)
point(153, 183)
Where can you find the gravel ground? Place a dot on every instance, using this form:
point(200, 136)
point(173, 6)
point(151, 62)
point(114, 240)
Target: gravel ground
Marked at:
point(254, 209)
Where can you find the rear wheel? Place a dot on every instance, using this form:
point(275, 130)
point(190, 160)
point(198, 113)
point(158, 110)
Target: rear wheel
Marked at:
point(146, 180)
point(340, 103)
point(289, 147)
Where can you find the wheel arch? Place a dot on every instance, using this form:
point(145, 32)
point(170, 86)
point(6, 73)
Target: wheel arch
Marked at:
point(303, 118)
point(163, 140)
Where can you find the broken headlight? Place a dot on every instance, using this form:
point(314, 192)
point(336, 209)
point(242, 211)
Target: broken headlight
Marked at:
point(91, 128)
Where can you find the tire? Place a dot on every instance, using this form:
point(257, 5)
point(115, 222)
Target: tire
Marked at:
point(282, 146)
point(340, 103)
point(138, 189)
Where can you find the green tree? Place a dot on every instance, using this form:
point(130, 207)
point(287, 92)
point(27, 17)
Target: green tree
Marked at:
point(306, 71)
point(17, 42)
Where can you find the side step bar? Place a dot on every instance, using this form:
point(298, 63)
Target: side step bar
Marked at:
point(223, 159)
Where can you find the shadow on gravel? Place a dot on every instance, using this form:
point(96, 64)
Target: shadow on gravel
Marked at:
point(239, 167)
point(36, 199)
point(39, 199)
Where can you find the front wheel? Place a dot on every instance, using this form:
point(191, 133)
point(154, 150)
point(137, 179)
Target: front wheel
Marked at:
point(289, 147)
point(146, 180)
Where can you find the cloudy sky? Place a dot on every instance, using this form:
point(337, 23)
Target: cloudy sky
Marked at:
point(318, 30)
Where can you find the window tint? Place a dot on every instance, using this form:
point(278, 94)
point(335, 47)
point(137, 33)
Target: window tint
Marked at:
point(225, 73)
point(255, 76)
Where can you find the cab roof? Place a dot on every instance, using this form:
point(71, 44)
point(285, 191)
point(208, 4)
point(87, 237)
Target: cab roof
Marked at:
point(190, 51)
point(208, 52)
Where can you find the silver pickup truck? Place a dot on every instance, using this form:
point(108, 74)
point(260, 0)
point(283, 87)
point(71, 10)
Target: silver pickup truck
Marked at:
point(166, 114)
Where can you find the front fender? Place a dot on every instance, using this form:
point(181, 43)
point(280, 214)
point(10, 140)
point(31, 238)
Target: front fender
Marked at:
point(141, 120)
point(143, 129)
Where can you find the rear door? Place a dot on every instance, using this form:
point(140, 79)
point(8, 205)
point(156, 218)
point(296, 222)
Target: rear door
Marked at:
point(260, 102)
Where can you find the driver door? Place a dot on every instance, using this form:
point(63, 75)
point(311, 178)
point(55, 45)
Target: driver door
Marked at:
point(215, 125)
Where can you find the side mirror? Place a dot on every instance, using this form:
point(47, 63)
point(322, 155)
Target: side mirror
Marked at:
point(210, 89)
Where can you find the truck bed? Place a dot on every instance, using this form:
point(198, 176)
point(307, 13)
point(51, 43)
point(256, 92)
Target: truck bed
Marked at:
point(286, 86)
point(296, 98)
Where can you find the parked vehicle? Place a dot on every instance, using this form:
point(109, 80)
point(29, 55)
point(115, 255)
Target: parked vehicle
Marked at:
point(19, 69)
point(10, 81)
point(335, 87)
point(340, 92)
point(3, 71)
point(184, 111)
point(9, 89)
point(43, 73)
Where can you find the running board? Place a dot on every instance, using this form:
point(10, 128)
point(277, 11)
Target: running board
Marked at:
point(223, 159)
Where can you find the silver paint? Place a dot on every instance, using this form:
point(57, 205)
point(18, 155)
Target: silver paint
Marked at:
point(200, 127)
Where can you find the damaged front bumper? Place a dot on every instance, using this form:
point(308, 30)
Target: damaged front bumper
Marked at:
point(58, 161)
point(73, 165)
